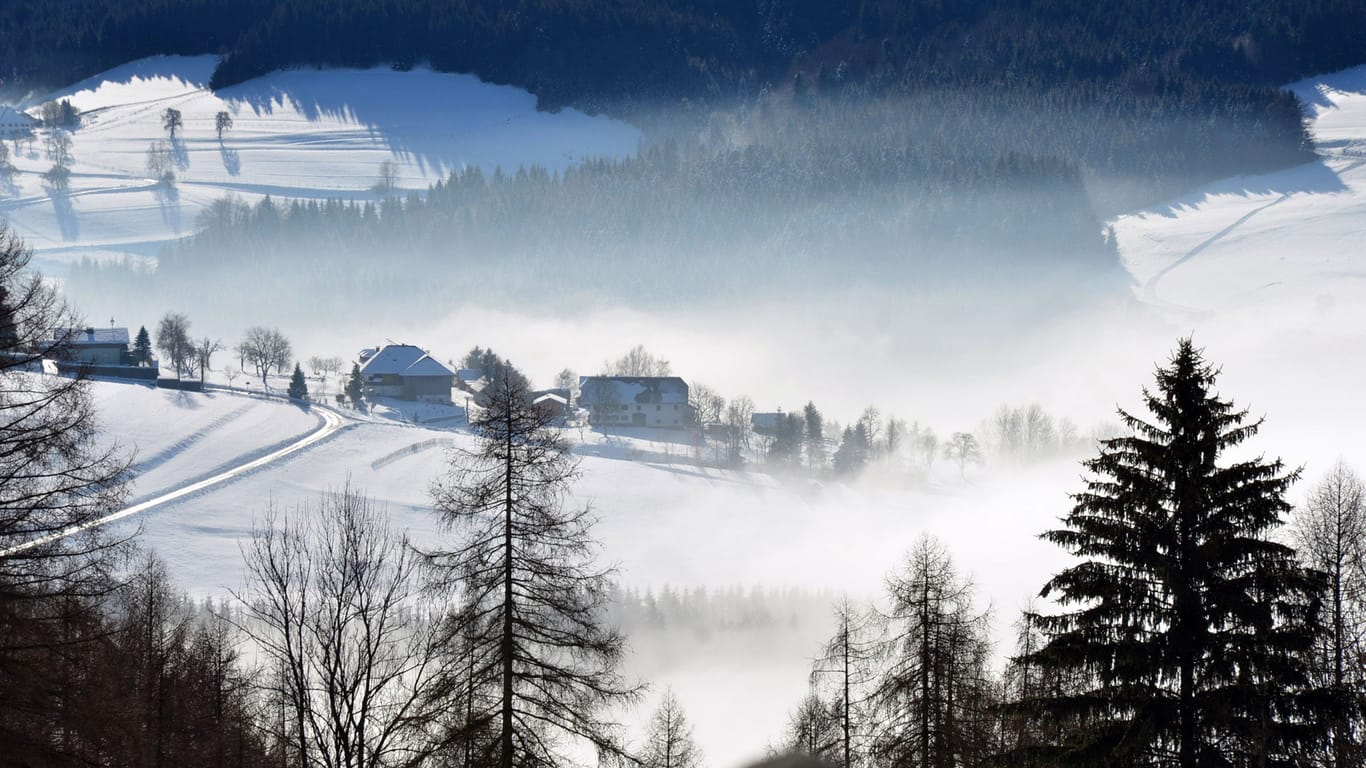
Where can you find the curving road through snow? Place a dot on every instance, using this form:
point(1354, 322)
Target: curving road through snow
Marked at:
point(332, 423)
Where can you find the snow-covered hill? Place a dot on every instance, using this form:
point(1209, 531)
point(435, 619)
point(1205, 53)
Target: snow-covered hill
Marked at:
point(1287, 248)
point(304, 133)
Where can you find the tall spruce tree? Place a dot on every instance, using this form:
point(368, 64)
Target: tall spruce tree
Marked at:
point(1187, 626)
point(298, 386)
point(540, 669)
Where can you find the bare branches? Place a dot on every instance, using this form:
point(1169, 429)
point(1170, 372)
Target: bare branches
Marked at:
point(334, 604)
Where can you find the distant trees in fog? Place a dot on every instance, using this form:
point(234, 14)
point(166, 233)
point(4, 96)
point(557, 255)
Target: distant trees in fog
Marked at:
point(638, 361)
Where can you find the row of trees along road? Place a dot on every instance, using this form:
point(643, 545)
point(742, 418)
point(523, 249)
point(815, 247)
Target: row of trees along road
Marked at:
point(1188, 632)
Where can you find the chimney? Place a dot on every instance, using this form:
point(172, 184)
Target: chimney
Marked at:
point(90, 334)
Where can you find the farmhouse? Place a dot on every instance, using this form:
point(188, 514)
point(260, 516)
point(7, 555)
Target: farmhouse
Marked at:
point(16, 123)
point(405, 372)
point(94, 346)
point(636, 401)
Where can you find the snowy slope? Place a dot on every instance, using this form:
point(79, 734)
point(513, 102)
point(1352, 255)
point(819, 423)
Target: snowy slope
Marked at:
point(296, 134)
point(1287, 248)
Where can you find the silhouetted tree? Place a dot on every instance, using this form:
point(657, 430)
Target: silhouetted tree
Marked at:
point(222, 122)
point(173, 339)
point(532, 606)
point(1190, 627)
point(298, 387)
point(171, 120)
point(1330, 533)
point(142, 347)
point(669, 739)
point(333, 604)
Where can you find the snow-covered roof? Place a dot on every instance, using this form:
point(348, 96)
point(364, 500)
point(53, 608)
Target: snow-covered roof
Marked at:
point(767, 419)
point(85, 337)
point(9, 116)
point(402, 360)
point(642, 390)
point(551, 398)
point(469, 374)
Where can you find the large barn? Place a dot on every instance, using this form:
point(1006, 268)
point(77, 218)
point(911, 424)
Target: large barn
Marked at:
point(636, 401)
point(405, 372)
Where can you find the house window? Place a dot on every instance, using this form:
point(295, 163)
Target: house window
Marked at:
point(659, 407)
point(624, 406)
point(675, 409)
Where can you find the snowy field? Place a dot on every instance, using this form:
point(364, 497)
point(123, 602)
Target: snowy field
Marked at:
point(1268, 272)
point(301, 134)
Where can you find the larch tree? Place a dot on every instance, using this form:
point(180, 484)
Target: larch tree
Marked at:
point(669, 741)
point(57, 476)
point(813, 729)
point(531, 625)
point(846, 669)
point(932, 698)
point(1330, 532)
point(1189, 627)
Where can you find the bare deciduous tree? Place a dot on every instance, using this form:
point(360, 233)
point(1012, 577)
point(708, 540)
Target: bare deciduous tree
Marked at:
point(1330, 534)
point(637, 361)
point(962, 449)
point(222, 122)
point(265, 349)
point(173, 339)
point(171, 120)
point(203, 354)
point(334, 604)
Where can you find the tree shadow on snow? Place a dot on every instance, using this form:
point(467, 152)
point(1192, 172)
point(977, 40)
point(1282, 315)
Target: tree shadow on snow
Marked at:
point(232, 161)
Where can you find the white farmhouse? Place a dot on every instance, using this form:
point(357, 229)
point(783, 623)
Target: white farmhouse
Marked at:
point(636, 401)
point(16, 123)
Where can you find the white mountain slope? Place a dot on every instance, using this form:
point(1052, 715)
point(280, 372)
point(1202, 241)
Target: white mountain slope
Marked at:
point(1287, 247)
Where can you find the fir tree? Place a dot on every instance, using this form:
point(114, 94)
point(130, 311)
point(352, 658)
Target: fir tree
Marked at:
point(298, 388)
point(1188, 626)
point(142, 347)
